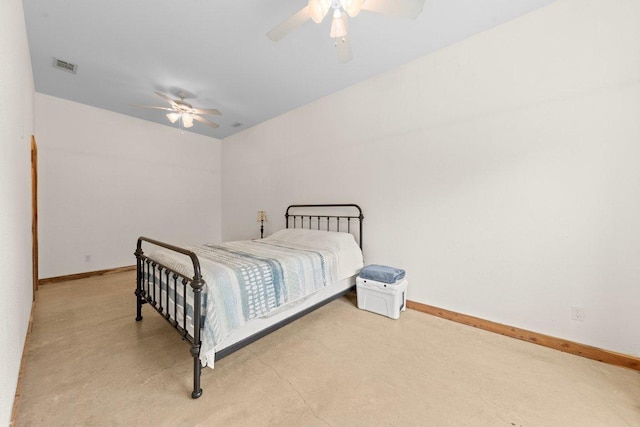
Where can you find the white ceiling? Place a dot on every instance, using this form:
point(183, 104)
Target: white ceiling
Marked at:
point(217, 52)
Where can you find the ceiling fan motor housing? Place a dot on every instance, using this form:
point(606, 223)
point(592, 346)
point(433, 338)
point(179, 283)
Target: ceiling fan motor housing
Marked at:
point(181, 105)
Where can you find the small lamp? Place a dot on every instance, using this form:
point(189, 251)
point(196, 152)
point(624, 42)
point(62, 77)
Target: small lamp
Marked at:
point(262, 217)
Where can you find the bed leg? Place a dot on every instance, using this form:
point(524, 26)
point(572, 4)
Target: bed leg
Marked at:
point(197, 285)
point(197, 370)
point(139, 308)
point(139, 279)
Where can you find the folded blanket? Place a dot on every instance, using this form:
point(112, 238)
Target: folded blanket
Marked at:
point(381, 273)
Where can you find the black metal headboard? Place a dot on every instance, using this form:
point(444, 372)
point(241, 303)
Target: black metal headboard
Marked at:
point(318, 218)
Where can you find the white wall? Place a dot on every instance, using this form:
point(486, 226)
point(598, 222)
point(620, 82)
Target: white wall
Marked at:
point(16, 128)
point(106, 179)
point(501, 173)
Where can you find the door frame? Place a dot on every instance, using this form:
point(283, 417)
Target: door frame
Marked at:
point(34, 213)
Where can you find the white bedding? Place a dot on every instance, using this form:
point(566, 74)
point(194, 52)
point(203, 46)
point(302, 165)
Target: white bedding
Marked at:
point(349, 262)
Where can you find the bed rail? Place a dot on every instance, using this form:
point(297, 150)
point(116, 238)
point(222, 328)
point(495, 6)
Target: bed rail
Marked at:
point(146, 286)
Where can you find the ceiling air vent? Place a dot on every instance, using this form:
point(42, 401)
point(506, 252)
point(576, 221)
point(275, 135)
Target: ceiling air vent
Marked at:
point(64, 65)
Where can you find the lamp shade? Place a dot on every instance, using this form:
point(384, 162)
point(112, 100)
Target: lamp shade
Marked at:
point(338, 25)
point(173, 117)
point(262, 216)
point(187, 120)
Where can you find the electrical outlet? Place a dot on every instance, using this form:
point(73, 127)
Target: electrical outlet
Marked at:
point(578, 313)
point(87, 258)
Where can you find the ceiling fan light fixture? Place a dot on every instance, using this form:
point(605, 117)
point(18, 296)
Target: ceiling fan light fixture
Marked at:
point(318, 9)
point(187, 120)
point(352, 7)
point(183, 113)
point(173, 117)
point(338, 26)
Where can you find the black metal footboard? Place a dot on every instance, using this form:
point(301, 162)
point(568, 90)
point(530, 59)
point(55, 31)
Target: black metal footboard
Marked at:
point(152, 278)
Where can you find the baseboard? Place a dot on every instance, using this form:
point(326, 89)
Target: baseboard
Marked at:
point(23, 362)
point(566, 346)
point(78, 276)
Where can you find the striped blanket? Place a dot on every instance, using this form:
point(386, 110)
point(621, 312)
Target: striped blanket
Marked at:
point(244, 280)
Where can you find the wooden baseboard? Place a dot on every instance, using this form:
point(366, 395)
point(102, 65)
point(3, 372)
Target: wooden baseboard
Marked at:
point(578, 349)
point(23, 363)
point(84, 275)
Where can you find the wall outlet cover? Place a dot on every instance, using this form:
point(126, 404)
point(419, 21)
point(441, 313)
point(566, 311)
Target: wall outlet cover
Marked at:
point(578, 313)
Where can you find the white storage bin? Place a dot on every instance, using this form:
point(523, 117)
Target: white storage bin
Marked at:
point(387, 299)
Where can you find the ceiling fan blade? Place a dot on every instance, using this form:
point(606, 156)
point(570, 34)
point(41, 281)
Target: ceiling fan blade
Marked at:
point(284, 28)
point(402, 8)
point(211, 111)
point(152, 106)
point(206, 121)
point(165, 97)
point(343, 47)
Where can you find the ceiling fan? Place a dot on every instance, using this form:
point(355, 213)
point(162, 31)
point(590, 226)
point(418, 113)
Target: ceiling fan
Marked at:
point(340, 9)
point(185, 113)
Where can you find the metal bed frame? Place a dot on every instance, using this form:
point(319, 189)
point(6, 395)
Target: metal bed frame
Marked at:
point(148, 270)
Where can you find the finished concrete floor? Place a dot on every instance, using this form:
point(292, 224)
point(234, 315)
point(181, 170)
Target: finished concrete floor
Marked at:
point(90, 363)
